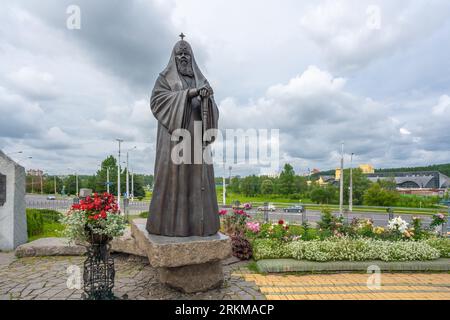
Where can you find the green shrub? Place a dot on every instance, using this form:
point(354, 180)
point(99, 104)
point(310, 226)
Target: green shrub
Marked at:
point(48, 215)
point(43, 223)
point(295, 196)
point(35, 222)
point(441, 244)
point(345, 249)
point(329, 222)
point(143, 214)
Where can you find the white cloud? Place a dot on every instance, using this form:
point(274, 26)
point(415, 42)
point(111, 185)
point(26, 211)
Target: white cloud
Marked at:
point(353, 33)
point(443, 106)
point(33, 83)
point(405, 131)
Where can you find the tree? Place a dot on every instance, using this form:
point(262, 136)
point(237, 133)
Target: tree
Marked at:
point(138, 185)
point(317, 195)
point(101, 176)
point(286, 179)
point(300, 184)
point(377, 196)
point(388, 184)
point(234, 185)
point(70, 184)
point(49, 184)
point(250, 186)
point(324, 195)
point(360, 185)
point(267, 187)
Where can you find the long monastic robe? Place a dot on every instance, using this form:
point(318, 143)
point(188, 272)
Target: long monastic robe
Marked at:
point(184, 201)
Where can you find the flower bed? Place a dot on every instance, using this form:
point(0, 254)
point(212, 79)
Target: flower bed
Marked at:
point(346, 249)
point(335, 240)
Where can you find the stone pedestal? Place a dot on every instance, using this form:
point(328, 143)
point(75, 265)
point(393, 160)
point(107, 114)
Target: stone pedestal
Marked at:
point(13, 221)
point(189, 264)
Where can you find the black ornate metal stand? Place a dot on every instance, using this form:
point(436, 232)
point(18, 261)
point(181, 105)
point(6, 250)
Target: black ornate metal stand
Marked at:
point(99, 273)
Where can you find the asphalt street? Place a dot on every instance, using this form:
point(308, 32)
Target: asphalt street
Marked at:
point(135, 207)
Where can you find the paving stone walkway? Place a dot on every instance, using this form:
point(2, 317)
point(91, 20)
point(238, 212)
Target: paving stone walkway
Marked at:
point(44, 278)
point(351, 286)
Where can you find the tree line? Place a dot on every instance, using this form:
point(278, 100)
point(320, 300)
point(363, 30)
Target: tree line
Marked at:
point(97, 182)
point(295, 187)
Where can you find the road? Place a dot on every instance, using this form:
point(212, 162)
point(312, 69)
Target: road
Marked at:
point(135, 207)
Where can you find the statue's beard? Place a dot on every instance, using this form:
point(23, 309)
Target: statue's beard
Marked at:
point(185, 68)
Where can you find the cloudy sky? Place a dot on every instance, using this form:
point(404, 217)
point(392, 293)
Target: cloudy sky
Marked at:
point(374, 74)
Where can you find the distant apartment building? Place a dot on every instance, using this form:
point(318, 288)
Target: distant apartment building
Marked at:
point(365, 168)
point(324, 180)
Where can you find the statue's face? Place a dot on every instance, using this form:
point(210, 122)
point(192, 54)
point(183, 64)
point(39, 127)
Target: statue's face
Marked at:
point(183, 59)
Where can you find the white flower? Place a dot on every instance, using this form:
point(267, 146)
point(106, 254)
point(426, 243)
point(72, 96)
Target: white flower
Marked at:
point(398, 224)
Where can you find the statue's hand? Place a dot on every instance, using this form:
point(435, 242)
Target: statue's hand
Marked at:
point(205, 91)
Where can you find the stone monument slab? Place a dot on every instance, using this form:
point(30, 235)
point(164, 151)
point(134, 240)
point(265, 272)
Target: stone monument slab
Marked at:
point(13, 221)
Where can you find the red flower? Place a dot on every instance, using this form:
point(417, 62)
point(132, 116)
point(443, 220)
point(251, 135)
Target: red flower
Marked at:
point(222, 212)
point(281, 221)
point(97, 206)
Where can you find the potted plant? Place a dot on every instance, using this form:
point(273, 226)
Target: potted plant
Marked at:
point(95, 221)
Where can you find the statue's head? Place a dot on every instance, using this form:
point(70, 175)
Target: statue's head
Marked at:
point(183, 58)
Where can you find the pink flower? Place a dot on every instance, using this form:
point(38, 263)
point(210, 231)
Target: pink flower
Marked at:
point(253, 227)
point(223, 212)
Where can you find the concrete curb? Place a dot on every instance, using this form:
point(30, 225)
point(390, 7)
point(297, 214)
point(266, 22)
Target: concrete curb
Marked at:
point(291, 265)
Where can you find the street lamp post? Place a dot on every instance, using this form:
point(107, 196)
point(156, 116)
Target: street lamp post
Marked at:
point(107, 179)
point(341, 183)
point(224, 186)
point(128, 175)
point(350, 195)
point(128, 178)
point(132, 185)
point(118, 175)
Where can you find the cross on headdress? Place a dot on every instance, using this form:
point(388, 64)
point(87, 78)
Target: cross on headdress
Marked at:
point(182, 36)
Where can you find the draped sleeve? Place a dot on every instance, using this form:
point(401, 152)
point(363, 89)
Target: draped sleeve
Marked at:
point(169, 107)
point(213, 114)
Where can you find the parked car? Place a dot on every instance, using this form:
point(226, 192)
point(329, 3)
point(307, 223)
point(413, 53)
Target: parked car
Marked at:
point(244, 206)
point(295, 209)
point(51, 198)
point(270, 207)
